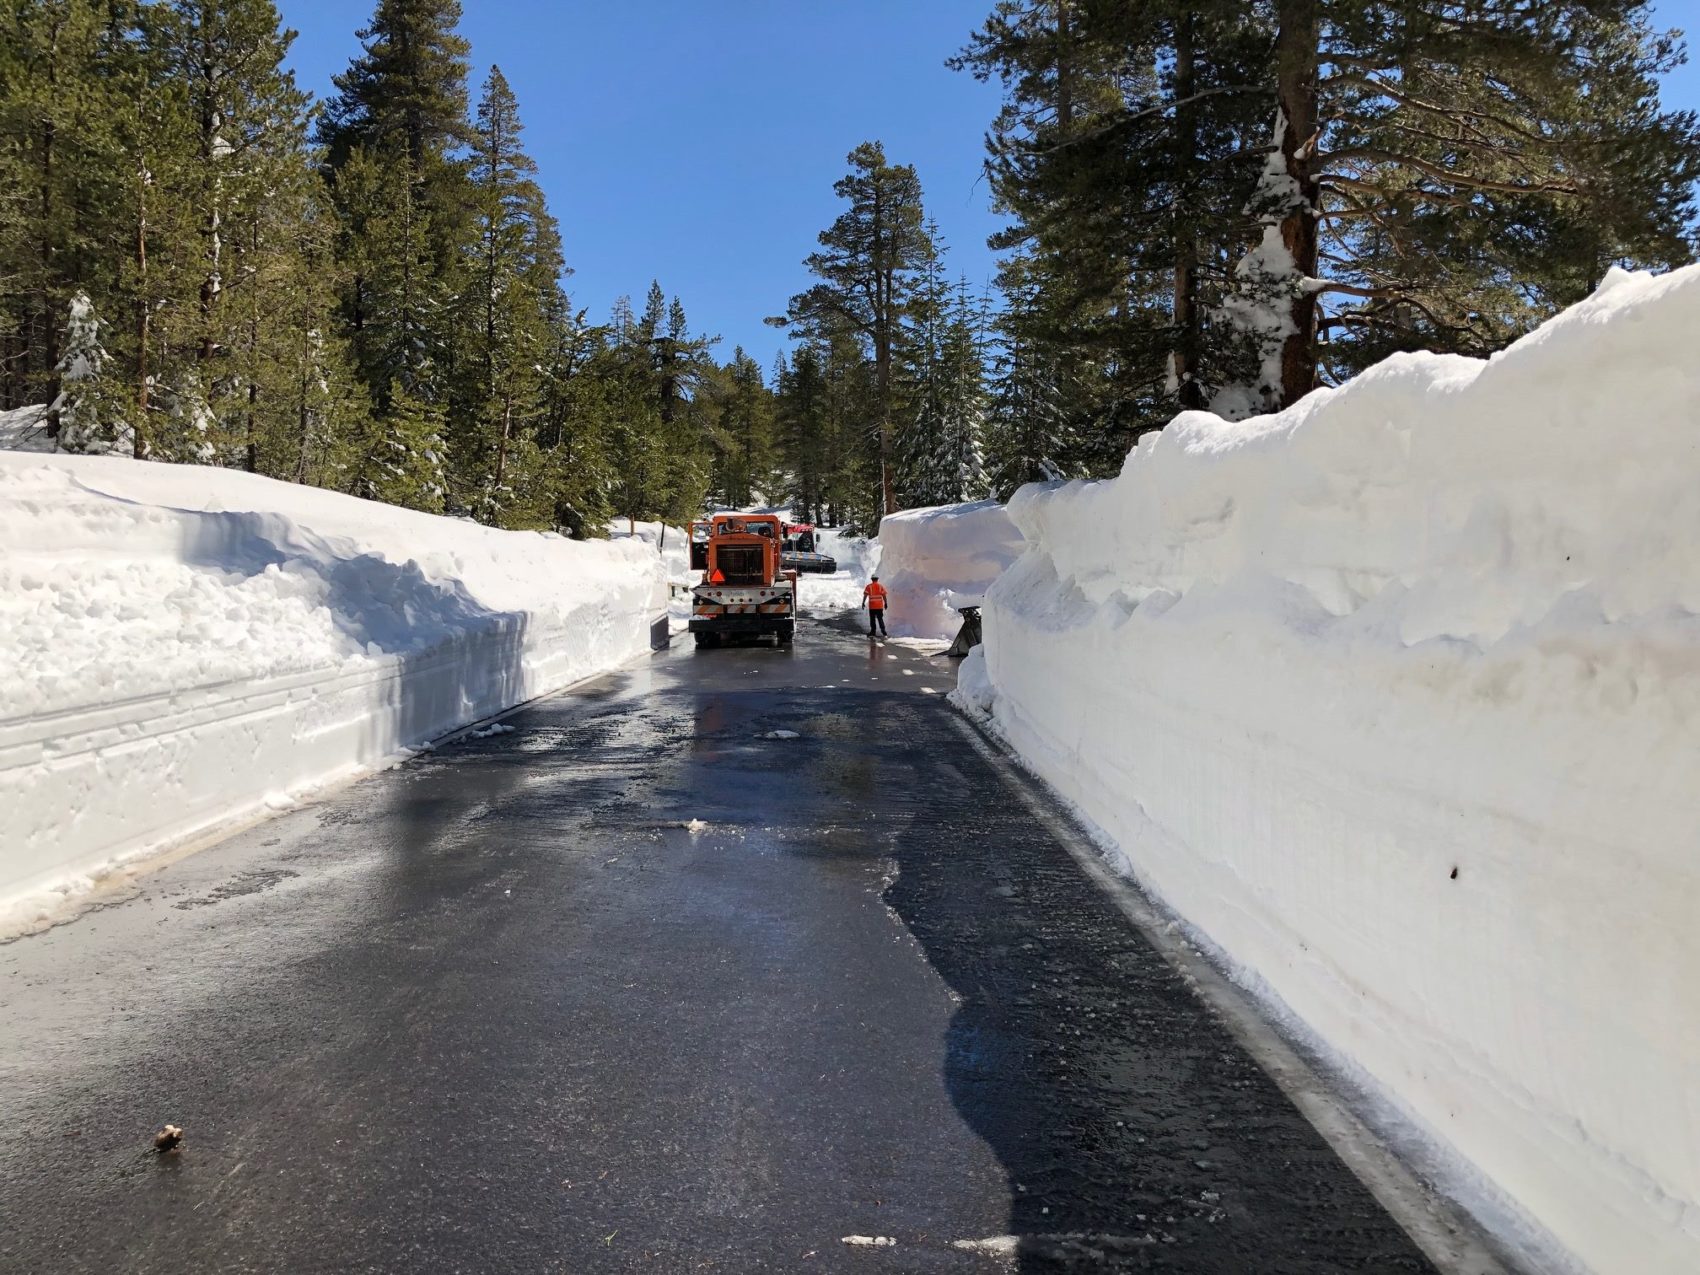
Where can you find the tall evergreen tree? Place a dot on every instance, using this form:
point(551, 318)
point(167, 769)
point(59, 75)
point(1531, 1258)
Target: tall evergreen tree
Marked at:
point(88, 417)
point(396, 136)
point(870, 254)
point(1216, 199)
point(73, 78)
point(1028, 427)
point(257, 215)
point(515, 290)
point(803, 423)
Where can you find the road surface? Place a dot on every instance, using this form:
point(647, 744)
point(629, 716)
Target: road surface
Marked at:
point(716, 964)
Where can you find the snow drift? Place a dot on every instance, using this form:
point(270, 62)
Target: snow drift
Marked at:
point(936, 560)
point(1395, 697)
point(184, 646)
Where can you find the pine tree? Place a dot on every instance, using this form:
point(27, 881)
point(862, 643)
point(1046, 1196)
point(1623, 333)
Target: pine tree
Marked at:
point(852, 487)
point(72, 75)
point(400, 461)
point(803, 427)
point(158, 270)
point(923, 377)
point(1028, 428)
point(1205, 222)
point(742, 432)
point(866, 269)
point(395, 138)
point(959, 461)
point(678, 358)
point(1117, 153)
point(1388, 114)
point(516, 281)
point(256, 213)
point(86, 416)
point(575, 428)
point(406, 92)
point(943, 446)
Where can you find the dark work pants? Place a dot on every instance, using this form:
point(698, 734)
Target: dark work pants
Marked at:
point(876, 615)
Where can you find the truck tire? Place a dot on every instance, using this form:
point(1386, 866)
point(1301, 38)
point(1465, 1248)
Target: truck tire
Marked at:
point(783, 636)
point(705, 640)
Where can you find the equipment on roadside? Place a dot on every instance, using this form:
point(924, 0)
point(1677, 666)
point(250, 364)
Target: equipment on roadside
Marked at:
point(745, 590)
point(968, 636)
point(799, 553)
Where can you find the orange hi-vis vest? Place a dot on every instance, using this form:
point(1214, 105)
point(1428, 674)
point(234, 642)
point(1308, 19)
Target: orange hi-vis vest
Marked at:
point(875, 594)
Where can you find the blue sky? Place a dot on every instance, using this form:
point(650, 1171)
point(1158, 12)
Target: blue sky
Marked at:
point(696, 141)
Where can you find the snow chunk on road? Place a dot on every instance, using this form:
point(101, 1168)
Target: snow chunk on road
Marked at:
point(1393, 696)
point(991, 1246)
point(183, 644)
point(869, 1241)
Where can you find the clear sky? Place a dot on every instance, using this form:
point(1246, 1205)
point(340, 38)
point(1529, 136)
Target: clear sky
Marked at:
point(696, 141)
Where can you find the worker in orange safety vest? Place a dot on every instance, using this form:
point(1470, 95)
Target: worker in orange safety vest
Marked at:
point(874, 596)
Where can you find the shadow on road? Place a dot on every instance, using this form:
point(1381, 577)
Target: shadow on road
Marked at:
point(1135, 1133)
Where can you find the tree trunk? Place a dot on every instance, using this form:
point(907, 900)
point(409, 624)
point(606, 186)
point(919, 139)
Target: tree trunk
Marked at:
point(1188, 390)
point(144, 314)
point(212, 227)
point(884, 286)
point(303, 414)
point(502, 444)
point(1297, 73)
point(1065, 69)
point(48, 331)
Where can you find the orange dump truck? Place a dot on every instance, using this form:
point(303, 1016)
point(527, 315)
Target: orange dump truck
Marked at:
point(744, 591)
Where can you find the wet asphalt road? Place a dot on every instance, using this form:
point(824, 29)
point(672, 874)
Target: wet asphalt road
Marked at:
point(636, 987)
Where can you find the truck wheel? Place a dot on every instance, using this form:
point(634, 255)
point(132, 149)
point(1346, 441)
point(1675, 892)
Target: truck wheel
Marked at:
point(705, 640)
point(783, 636)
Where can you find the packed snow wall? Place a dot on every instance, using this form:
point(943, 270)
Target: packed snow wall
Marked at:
point(185, 646)
point(936, 560)
point(1394, 697)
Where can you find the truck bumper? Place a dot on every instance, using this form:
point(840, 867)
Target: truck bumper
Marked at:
point(741, 624)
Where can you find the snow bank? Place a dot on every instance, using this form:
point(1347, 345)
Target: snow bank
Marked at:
point(937, 560)
point(673, 544)
point(24, 429)
point(185, 646)
point(1395, 697)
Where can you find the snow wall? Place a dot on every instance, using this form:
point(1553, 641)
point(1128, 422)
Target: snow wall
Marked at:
point(1394, 697)
point(184, 647)
point(936, 560)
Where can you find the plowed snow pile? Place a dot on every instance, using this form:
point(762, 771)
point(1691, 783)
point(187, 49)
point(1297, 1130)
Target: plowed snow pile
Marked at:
point(939, 559)
point(183, 646)
point(1395, 697)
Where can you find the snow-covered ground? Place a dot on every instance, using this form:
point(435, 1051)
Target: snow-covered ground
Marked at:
point(185, 647)
point(1394, 697)
point(937, 560)
point(24, 429)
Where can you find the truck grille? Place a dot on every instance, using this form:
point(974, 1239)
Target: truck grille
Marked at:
point(740, 564)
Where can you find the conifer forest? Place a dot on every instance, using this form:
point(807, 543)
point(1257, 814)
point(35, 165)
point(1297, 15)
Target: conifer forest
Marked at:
point(1207, 205)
